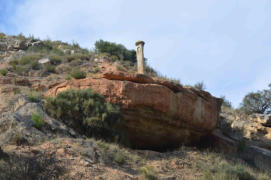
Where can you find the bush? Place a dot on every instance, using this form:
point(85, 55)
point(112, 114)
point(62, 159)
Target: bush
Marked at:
point(77, 56)
point(35, 65)
point(3, 72)
point(38, 120)
point(21, 70)
point(56, 60)
point(33, 97)
point(41, 166)
point(49, 68)
point(13, 63)
point(17, 91)
point(227, 171)
point(148, 172)
point(28, 59)
point(119, 158)
point(200, 86)
point(259, 102)
point(78, 74)
point(87, 112)
point(115, 50)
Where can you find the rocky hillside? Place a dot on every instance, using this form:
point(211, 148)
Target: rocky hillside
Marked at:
point(72, 113)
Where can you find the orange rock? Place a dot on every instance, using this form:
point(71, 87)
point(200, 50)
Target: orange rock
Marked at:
point(157, 113)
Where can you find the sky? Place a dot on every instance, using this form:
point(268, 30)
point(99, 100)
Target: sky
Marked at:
point(226, 43)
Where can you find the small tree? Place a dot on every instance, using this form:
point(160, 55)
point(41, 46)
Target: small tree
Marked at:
point(257, 102)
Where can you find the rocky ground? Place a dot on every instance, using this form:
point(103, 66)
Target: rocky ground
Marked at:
point(158, 113)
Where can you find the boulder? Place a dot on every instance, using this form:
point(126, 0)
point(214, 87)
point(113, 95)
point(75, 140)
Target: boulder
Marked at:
point(156, 114)
point(44, 61)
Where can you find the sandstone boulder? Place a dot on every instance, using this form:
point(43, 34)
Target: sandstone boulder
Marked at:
point(156, 114)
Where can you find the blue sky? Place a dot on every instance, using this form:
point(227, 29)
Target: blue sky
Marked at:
point(226, 43)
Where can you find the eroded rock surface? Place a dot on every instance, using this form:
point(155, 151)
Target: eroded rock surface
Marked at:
point(17, 126)
point(255, 129)
point(157, 113)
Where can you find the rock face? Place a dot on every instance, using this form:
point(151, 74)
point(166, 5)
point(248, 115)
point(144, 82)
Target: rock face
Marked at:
point(157, 113)
point(250, 135)
point(255, 129)
point(16, 125)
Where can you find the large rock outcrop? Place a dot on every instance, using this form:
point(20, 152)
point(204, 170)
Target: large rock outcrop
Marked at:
point(255, 129)
point(157, 113)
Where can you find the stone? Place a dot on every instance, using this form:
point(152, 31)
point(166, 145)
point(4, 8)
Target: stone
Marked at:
point(155, 116)
point(44, 61)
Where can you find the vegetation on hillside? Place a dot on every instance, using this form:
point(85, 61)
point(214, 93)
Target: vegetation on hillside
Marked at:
point(123, 163)
point(65, 57)
point(87, 112)
point(118, 50)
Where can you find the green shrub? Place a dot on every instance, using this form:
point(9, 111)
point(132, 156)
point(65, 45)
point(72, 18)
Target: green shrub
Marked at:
point(38, 120)
point(40, 166)
point(17, 91)
point(226, 171)
point(28, 59)
point(50, 69)
point(33, 96)
point(96, 69)
point(78, 74)
point(68, 78)
point(56, 60)
point(21, 70)
point(115, 50)
point(148, 172)
point(76, 56)
point(41, 48)
point(35, 65)
point(13, 63)
point(120, 67)
point(3, 72)
point(119, 158)
point(87, 112)
point(76, 62)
